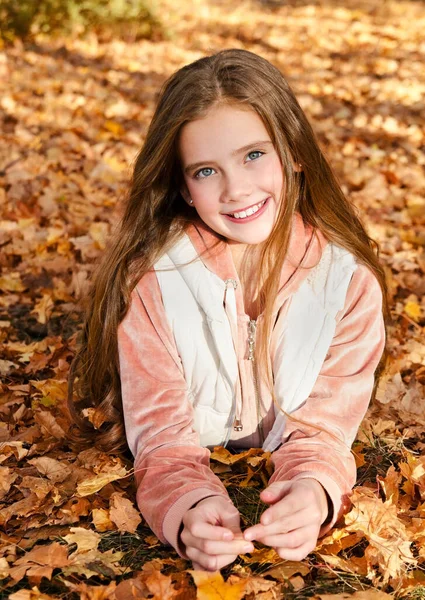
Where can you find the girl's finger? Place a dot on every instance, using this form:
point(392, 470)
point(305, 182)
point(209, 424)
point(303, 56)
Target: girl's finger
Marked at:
point(302, 518)
point(217, 548)
point(209, 563)
point(296, 554)
point(292, 540)
point(200, 529)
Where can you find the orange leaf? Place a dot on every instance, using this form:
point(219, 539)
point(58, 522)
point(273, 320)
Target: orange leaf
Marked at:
point(211, 586)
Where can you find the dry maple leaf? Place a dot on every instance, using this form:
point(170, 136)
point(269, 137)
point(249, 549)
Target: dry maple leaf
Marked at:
point(49, 424)
point(86, 539)
point(123, 513)
point(51, 468)
point(160, 586)
point(93, 592)
point(33, 594)
point(389, 544)
point(211, 586)
point(40, 561)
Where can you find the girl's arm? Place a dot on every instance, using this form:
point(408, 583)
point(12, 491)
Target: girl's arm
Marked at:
point(171, 468)
point(338, 401)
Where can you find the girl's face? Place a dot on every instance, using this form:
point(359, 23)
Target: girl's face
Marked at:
point(232, 173)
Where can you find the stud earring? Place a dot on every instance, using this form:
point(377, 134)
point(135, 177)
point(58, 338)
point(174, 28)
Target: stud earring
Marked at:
point(190, 201)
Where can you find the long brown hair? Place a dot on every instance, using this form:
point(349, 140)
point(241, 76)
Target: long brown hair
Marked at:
point(156, 216)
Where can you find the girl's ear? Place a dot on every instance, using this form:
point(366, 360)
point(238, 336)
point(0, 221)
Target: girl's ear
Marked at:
point(186, 196)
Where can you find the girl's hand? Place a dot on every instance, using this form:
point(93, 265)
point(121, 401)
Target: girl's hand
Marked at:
point(212, 534)
point(291, 526)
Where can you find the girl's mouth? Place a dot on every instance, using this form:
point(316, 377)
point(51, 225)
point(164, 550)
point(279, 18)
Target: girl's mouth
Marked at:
point(250, 214)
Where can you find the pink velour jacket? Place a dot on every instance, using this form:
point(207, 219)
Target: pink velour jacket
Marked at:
point(171, 467)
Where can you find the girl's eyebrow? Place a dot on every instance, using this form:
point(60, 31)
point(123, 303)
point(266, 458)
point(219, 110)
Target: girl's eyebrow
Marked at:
point(238, 151)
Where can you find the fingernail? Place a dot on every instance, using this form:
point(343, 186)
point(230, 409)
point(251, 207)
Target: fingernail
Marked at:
point(248, 536)
point(227, 536)
point(248, 548)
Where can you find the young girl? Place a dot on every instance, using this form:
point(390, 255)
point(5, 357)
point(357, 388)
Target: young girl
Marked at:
point(239, 304)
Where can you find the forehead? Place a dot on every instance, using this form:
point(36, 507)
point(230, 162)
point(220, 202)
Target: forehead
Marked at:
point(224, 128)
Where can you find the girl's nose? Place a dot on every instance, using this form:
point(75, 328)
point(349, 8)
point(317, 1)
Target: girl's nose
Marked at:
point(237, 187)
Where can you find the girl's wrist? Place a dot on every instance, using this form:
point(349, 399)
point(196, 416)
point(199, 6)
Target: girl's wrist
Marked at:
point(324, 501)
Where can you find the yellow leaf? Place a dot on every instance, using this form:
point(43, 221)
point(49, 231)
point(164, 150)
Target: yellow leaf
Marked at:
point(413, 310)
point(211, 586)
point(11, 283)
point(43, 309)
point(101, 519)
point(94, 484)
point(116, 128)
point(99, 233)
point(86, 539)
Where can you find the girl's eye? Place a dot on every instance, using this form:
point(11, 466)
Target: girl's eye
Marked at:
point(203, 173)
point(255, 154)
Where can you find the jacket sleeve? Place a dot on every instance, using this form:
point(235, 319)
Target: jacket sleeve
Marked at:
point(171, 468)
point(338, 401)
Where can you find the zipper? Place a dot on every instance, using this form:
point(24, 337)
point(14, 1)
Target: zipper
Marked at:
point(252, 328)
point(237, 423)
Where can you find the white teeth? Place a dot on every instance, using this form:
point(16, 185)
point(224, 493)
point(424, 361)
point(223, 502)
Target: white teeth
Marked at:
point(248, 212)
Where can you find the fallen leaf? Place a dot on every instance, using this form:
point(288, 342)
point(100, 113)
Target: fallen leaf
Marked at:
point(51, 468)
point(86, 539)
point(33, 594)
point(40, 561)
point(123, 514)
point(160, 586)
point(211, 586)
point(287, 569)
point(94, 484)
point(101, 520)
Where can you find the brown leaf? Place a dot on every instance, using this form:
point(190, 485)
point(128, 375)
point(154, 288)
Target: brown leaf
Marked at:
point(53, 469)
point(40, 561)
point(123, 513)
point(288, 569)
point(369, 594)
point(43, 308)
point(33, 594)
point(7, 477)
point(49, 424)
point(21, 508)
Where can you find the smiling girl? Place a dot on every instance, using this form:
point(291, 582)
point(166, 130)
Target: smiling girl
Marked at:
point(239, 304)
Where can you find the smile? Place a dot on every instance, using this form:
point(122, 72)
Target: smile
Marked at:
point(250, 213)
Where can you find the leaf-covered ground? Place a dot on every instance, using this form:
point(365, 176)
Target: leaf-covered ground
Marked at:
point(74, 114)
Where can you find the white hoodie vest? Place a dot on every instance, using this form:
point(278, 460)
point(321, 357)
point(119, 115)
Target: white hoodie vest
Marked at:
point(201, 310)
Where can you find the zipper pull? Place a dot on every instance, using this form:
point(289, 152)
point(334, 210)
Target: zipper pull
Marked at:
point(237, 425)
point(231, 283)
point(252, 326)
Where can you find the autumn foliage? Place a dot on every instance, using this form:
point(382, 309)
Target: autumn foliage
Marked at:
point(74, 113)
